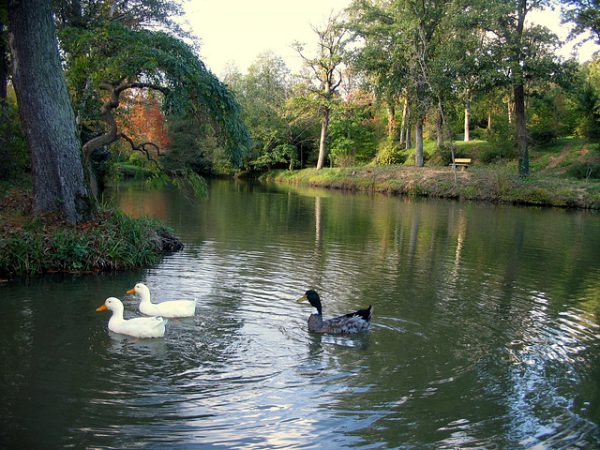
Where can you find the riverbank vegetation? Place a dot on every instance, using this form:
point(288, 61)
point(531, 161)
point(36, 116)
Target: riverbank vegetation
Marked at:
point(46, 243)
point(561, 177)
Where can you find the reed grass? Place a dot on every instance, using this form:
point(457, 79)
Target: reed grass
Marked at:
point(111, 241)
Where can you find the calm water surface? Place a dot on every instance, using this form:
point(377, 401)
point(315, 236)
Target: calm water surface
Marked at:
point(486, 331)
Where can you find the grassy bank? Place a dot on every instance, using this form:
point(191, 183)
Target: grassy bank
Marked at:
point(563, 174)
point(493, 184)
point(111, 241)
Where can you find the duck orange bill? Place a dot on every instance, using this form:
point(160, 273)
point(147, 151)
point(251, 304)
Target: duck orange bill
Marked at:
point(101, 308)
point(131, 291)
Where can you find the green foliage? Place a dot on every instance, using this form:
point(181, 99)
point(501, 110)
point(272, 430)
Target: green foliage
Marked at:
point(13, 146)
point(352, 133)
point(191, 146)
point(282, 154)
point(585, 170)
point(588, 100)
point(390, 152)
point(586, 16)
point(154, 59)
point(193, 183)
point(112, 242)
point(500, 151)
point(188, 182)
point(263, 93)
point(443, 154)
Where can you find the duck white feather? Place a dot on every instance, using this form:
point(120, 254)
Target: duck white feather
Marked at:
point(141, 327)
point(170, 309)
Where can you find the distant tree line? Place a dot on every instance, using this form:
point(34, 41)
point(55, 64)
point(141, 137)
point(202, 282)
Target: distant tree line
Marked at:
point(388, 75)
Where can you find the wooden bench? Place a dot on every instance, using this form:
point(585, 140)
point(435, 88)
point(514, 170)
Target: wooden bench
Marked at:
point(463, 163)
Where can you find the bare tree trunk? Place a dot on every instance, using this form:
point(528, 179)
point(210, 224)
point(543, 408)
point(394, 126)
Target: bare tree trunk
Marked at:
point(467, 119)
point(519, 93)
point(489, 121)
point(323, 139)
point(46, 113)
point(419, 155)
point(521, 125)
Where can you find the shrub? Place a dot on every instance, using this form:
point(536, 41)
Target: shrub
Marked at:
point(112, 241)
point(497, 152)
point(584, 170)
point(390, 152)
point(443, 155)
point(541, 135)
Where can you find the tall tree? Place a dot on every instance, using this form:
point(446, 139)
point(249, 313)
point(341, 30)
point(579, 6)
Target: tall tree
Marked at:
point(521, 52)
point(262, 94)
point(585, 14)
point(47, 116)
point(382, 57)
point(326, 75)
point(409, 28)
point(109, 60)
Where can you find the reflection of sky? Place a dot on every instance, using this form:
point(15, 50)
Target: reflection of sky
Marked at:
point(542, 358)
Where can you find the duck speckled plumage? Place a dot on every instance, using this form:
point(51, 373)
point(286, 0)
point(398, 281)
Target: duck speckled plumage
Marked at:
point(353, 322)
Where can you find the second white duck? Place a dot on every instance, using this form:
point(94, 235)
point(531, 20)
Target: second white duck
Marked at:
point(170, 309)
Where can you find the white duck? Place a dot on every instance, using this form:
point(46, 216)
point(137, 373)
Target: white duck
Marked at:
point(141, 327)
point(171, 308)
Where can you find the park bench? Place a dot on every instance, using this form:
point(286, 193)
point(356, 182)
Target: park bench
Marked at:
point(463, 163)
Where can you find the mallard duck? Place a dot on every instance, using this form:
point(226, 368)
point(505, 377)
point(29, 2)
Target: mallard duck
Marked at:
point(170, 309)
point(141, 327)
point(353, 322)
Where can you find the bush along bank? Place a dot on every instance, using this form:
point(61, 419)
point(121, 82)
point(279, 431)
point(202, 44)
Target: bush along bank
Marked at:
point(481, 184)
point(111, 241)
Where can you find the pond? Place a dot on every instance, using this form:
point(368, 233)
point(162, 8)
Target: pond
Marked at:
point(486, 330)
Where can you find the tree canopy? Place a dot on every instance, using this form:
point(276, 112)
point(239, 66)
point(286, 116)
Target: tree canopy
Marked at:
point(116, 58)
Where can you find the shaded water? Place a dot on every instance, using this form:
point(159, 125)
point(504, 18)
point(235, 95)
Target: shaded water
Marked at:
point(486, 330)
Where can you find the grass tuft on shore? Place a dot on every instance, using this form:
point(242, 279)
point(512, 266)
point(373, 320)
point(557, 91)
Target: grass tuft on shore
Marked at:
point(111, 241)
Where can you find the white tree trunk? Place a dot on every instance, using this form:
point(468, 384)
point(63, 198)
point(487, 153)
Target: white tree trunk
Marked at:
point(323, 139)
point(467, 119)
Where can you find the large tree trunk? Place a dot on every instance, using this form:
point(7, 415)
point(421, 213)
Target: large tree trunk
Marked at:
point(391, 125)
point(323, 140)
point(439, 128)
point(419, 155)
point(46, 112)
point(521, 125)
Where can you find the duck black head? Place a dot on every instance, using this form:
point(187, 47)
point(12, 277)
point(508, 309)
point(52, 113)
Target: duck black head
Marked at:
point(313, 298)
